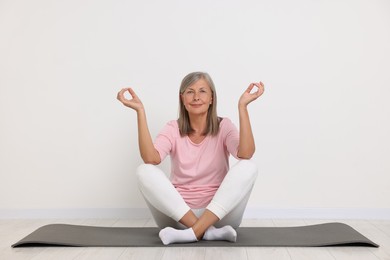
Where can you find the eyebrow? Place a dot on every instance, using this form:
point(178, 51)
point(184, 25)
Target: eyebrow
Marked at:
point(189, 88)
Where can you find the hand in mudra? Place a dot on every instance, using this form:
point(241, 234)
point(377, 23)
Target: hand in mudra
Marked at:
point(134, 103)
point(247, 97)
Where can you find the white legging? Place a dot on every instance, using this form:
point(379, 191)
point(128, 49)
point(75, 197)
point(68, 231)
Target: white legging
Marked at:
point(168, 207)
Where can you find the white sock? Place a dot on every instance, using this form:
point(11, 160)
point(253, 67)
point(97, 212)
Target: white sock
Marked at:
point(170, 235)
point(224, 233)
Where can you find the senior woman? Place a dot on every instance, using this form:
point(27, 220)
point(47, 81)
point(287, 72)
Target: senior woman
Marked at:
point(204, 198)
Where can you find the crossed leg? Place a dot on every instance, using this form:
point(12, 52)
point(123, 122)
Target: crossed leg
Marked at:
point(229, 201)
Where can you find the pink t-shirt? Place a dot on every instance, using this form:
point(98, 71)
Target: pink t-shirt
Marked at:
point(197, 170)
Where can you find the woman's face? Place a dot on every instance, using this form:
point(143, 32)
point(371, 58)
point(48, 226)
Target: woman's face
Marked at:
point(197, 98)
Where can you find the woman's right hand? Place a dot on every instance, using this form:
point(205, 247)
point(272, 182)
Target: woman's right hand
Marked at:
point(147, 150)
point(134, 103)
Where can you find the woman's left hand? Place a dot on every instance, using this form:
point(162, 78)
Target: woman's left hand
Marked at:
point(247, 97)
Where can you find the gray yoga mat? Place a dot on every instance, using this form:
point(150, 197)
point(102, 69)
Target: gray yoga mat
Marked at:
point(328, 234)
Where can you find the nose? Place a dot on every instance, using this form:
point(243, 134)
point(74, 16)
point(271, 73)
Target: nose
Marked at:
point(196, 96)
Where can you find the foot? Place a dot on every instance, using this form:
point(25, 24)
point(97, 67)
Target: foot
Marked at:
point(224, 233)
point(170, 235)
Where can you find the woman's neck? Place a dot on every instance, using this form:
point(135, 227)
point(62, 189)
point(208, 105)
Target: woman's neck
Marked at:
point(198, 123)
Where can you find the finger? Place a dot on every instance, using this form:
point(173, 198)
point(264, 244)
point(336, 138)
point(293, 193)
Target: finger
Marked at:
point(258, 92)
point(257, 84)
point(132, 93)
point(249, 89)
point(120, 95)
point(260, 87)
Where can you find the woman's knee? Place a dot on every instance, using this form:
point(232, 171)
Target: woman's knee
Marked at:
point(248, 169)
point(144, 173)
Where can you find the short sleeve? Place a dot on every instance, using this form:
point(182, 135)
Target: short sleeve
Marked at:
point(165, 140)
point(232, 137)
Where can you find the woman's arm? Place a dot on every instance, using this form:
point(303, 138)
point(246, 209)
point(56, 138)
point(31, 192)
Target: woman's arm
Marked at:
point(148, 153)
point(246, 147)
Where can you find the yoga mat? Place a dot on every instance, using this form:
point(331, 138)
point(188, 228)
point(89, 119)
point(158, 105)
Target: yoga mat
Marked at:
point(328, 234)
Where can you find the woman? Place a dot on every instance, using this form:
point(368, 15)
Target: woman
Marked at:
point(203, 199)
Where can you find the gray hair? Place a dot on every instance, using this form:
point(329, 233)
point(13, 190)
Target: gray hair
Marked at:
point(212, 126)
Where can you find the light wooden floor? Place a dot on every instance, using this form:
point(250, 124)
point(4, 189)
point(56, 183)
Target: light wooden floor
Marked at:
point(13, 230)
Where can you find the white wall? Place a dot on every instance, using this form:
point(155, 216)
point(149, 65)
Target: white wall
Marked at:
point(322, 127)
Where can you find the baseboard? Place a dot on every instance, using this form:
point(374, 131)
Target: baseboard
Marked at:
point(317, 213)
point(75, 213)
point(250, 213)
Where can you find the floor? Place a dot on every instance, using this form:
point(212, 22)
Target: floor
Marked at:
point(13, 230)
